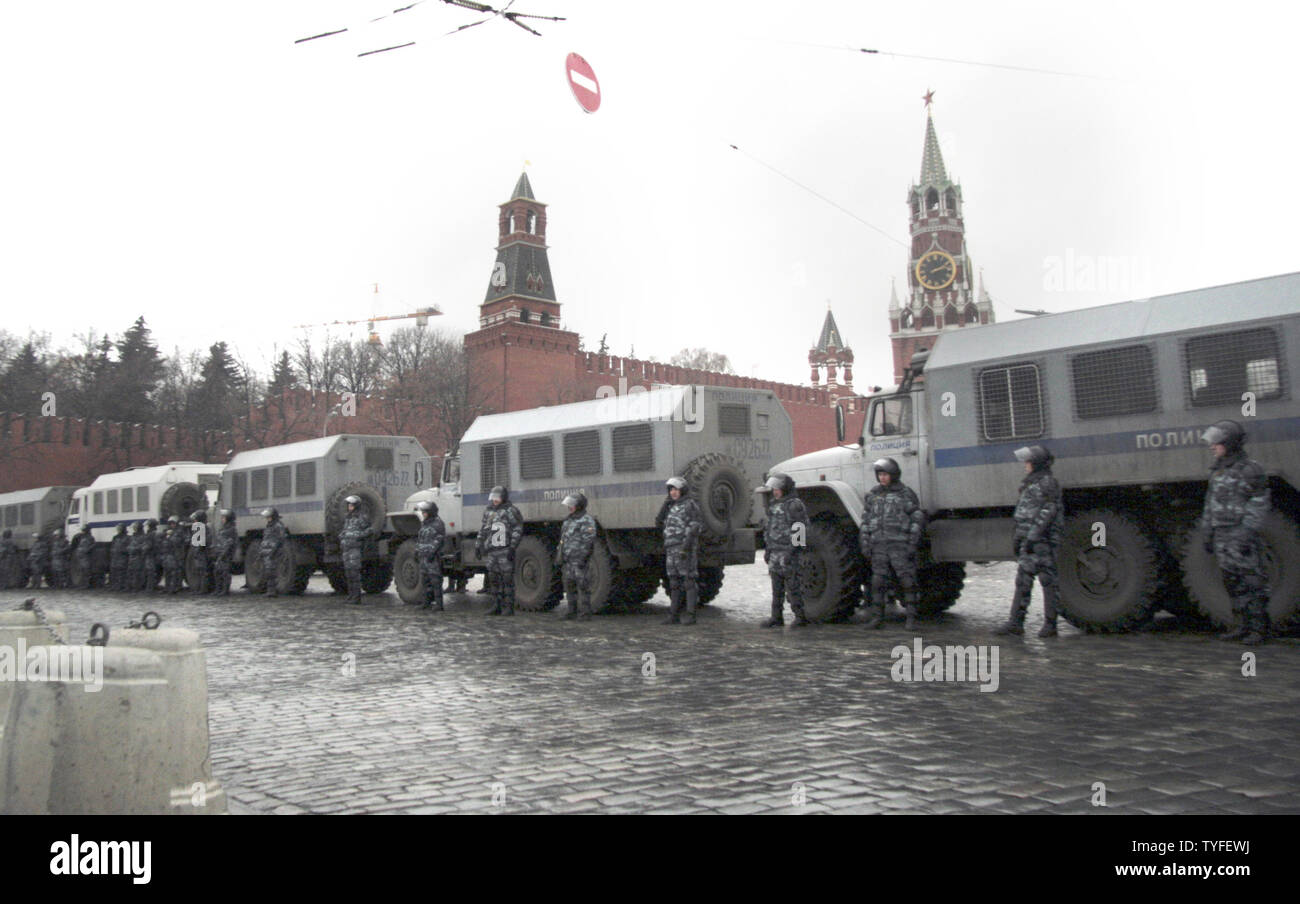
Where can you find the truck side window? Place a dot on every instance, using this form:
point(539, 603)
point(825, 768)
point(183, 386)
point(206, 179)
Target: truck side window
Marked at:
point(892, 417)
point(1222, 366)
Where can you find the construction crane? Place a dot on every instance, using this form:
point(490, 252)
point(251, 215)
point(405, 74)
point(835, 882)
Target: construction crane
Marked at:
point(421, 316)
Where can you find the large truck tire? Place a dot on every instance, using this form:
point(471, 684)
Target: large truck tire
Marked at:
point(710, 583)
point(1111, 587)
point(641, 584)
point(601, 576)
point(406, 574)
point(831, 576)
point(180, 500)
point(376, 575)
point(939, 585)
point(338, 580)
point(539, 585)
point(253, 567)
point(336, 510)
point(1171, 593)
point(1204, 580)
point(718, 483)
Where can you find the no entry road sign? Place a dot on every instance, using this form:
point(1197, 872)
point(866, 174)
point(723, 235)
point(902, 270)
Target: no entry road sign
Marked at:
point(582, 81)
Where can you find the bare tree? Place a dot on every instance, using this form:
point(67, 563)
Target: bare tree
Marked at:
point(702, 359)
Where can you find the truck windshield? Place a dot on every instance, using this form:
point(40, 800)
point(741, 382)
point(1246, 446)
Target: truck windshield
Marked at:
point(451, 471)
point(892, 417)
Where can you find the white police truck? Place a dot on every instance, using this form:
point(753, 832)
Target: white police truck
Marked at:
point(619, 451)
point(1120, 394)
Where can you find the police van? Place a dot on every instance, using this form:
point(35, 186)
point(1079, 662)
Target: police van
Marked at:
point(619, 451)
point(1120, 394)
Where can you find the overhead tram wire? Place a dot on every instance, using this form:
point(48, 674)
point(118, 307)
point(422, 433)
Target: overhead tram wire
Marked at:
point(819, 195)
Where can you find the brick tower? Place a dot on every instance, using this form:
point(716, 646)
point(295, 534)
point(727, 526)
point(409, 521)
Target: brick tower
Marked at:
point(941, 294)
point(514, 349)
point(829, 354)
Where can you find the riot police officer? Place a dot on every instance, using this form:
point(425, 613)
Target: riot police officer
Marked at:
point(429, 541)
point(224, 553)
point(60, 551)
point(681, 522)
point(10, 563)
point(1040, 522)
point(152, 555)
point(83, 545)
point(577, 540)
point(118, 555)
point(274, 537)
point(38, 558)
point(892, 525)
point(173, 555)
point(498, 537)
point(354, 533)
point(135, 558)
point(785, 533)
point(1237, 501)
point(200, 565)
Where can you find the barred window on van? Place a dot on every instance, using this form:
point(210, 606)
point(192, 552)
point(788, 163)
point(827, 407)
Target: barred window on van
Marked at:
point(537, 458)
point(11, 516)
point(1114, 382)
point(493, 466)
point(259, 485)
point(581, 453)
point(733, 420)
point(634, 448)
point(1011, 403)
point(28, 512)
point(379, 458)
point(99, 503)
point(1221, 368)
point(111, 501)
point(305, 478)
point(141, 499)
point(281, 481)
point(239, 489)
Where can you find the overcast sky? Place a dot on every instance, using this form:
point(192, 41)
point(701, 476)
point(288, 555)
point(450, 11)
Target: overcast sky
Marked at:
point(188, 162)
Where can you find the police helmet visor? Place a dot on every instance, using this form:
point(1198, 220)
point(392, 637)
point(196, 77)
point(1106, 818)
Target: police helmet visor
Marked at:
point(1216, 435)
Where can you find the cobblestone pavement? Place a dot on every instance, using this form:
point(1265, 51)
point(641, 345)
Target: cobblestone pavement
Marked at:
point(461, 713)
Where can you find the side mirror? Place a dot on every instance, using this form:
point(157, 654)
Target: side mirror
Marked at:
point(839, 423)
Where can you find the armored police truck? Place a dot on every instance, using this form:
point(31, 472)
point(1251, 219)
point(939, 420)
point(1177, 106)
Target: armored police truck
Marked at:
point(619, 451)
point(1120, 394)
point(41, 510)
point(177, 489)
point(307, 483)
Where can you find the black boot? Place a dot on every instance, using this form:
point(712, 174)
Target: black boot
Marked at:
point(674, 603)
point(692, 603)
point(875, 608)
point(1050, 597)
point(778, 616)
point(800, 619)
point(909, 606)
point(1257, 622)
point(570, 610)
point(354, 590)
point(1015, 623)
point(584, 605)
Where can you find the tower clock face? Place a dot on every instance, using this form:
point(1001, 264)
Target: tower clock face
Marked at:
point(936, 270)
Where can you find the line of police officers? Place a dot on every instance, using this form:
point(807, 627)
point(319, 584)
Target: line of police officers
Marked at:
point(893, 523)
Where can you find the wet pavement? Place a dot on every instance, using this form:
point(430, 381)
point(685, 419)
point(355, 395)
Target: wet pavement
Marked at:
point(318, 706)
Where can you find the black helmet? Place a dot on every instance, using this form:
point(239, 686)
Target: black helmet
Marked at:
point(227, 516)
point(270, 513)
point(7, 534)
point(200, 516)
point(578, 501)
point(85, 528)
point(426, 506)
point(36, 535)
point(1038, 456)
point(500, 493)
point(353, 500)
point(137, 527)
point(1229, 433)
point(889, 466)
point(173, 520)
point(152, 524)
point(121, 528)
point(677, 482)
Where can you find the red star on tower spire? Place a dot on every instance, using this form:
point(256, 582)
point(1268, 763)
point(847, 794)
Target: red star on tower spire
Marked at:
point(929, 97)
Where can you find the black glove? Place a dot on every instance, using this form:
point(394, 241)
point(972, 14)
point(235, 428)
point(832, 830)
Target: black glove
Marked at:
point(767, 557)
point(1020, 546)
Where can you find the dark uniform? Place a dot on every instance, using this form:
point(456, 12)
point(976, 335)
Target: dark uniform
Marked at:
point(352, 537)
point(173, 555)
point(152, 563)
point(1040, 522)
point(11, 564)
point(60, 555)
point(135, 558)
point(785, 538)
point(118, 554)
point(274, 538)
point(223, 554)
point(498, 537)
point(892, 525)
point(200, 565)
point(1237, 501)
point(83, 546)
point(428, 553)
point(577, 540)
point(681, 523)
point(38, 559)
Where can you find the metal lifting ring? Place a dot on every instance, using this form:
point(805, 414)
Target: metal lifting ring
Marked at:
point(98, 635)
